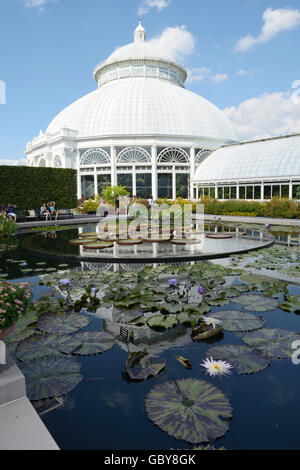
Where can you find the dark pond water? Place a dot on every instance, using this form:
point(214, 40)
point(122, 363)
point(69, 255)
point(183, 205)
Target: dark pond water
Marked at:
point(105, 411)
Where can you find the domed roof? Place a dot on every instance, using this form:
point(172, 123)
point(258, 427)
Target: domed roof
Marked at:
point(144, 106)
point(267, 158)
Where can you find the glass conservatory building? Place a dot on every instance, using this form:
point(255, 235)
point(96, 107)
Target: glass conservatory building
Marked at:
point(251, 170)
point(140, 128)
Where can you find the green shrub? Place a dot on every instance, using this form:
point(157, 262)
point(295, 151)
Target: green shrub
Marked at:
point(110, 193)
point(7, 227)
point(30, 187)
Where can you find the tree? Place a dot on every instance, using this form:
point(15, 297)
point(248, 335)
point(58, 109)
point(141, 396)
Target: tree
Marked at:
point(110, 193)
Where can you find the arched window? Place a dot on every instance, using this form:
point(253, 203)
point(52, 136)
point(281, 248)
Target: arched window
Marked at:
point(173, 155)
point(201, 156)
point(42, 162)
point(95, 157)
point(57, 162)
point(134, 155)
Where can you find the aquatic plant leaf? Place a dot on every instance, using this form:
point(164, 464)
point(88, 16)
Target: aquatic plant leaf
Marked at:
point(244, 359)
point(38, 346)
point(170, 308)
point(51, 376)
point(162, 321)
point(291, 304)
point(232, 320)
point(256, 303)
point(272, 342)
point(184, 361)
point(139, 366)
point(62, 323)
point(22, 330)
point(93, 342)
point(189, 409)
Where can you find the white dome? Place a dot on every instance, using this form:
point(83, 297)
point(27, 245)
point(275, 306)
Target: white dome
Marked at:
point(144, 106)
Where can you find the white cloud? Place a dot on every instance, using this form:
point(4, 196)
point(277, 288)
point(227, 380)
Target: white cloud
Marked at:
point(21, 162)
point(220, 77)
point(197, 74)
point(241, 72)
point(282, 19)
point(40, 4)
point(175, 42)
point(146, 5)
point(268, 115)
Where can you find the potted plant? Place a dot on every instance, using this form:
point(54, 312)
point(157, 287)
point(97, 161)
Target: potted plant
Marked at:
point(14, 302)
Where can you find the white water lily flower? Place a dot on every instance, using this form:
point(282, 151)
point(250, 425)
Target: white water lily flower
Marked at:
point(216, 367)
point(211, 321)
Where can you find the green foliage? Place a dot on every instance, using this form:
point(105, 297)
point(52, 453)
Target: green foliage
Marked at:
point(90, 206)
point(7, 227)
point(110, 193)
point(29, 187)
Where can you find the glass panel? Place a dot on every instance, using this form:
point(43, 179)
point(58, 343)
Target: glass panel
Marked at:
point(276, 191)
point(212, 193)
point(233, 192)
point(226, 193)
point(267, 192)
point(124, 72)
point(137, 70)
point(296, 191)
point(103, 182)
point(242, 192)
point(144, 185)
point(87, 186)
point(182, 185)
point(126, 181)
point(165, 185)
point(257, 192)
point(220, 193)
point(285, 190)
point(249, 192)
point(151, 71)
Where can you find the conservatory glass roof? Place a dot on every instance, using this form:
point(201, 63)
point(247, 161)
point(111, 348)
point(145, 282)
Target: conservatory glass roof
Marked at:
point(268, 158)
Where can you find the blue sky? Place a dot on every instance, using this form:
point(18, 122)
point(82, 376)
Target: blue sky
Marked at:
point(243, 55)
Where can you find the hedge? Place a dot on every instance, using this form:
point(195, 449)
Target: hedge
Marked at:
point(278, 208)
point(29, 187)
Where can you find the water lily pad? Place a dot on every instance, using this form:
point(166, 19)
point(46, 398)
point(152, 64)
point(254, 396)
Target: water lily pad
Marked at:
point(93, 342)
point(139, 366)
point(273, 342)
point(244, 359)
point(162, 321)
point(97, 245)
point(51, 376)
point(38, 346)
point(256, 303)
point(232, 320)
point(189, 409)
point(291, 304)
point(62, 323)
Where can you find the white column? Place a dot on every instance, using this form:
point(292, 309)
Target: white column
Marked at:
point(237, 191)
point(95, 182)
point(113, 165)
point(262, 192)
point(154, 172)
point(79, 192)
point(174, 183)
point(216, 192)
point(290, 190)
point(133, 181)
point(192, 171)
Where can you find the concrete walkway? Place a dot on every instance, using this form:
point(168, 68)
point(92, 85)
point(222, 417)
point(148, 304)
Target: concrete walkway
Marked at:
point(21, 428)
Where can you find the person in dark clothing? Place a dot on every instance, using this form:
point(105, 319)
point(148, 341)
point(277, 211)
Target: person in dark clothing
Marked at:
point(117, 204)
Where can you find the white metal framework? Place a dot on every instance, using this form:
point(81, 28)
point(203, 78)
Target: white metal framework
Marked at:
point(57, 163)
point(173, 155)
point(134, 155)
point(201, 156)
point(96, 156)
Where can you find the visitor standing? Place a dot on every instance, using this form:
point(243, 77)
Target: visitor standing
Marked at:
point(117, 204)
point(151, 202)
point(127, 202)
